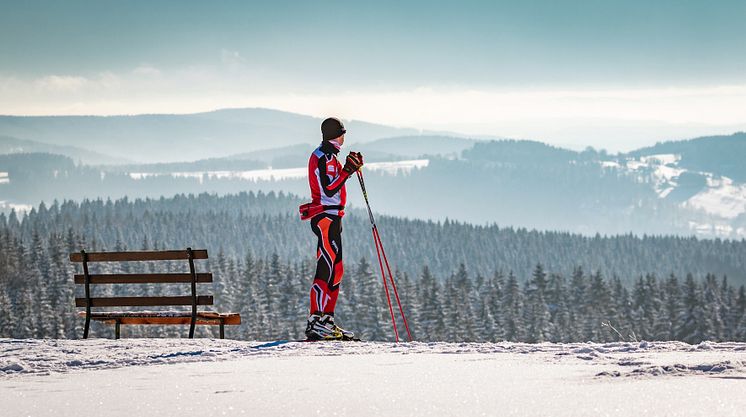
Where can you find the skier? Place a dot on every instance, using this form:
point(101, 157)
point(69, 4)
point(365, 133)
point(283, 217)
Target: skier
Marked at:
point(327, 177)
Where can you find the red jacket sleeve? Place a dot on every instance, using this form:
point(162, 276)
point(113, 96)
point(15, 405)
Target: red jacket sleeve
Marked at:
point(331, 186)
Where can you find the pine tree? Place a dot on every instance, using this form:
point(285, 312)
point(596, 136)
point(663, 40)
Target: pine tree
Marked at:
point(740, 327)
point(712, 305)
point(623, 309)
point(463, 300)
point(728, 313)
point(271, 294)
point(374, 317)
point(693, 321)
point(448, 309)
point(410, 303)
point(654, 314)
point(671, 308)
point(576, 305)
point(432, 321)
point(558, 309)
point(492, 302)
point(538, 323)
point(512, 307)
point(5, 318)
point(640, 305)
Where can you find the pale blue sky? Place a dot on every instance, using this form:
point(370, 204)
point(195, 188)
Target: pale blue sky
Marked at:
point(399, 43)
point(105, 57)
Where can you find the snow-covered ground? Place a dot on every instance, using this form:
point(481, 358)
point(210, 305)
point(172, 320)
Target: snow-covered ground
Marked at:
point(664, 171)
point(271, 174)
point(721, 198)
point(164, 377)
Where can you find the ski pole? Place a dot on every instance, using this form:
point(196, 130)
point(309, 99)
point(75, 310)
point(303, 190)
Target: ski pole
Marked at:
point(385, 285)
point(378, 252)
point(379, 244)
point(393, 285)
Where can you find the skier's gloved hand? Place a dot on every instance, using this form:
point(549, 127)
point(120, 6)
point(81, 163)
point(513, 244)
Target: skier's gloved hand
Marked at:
point(354, 162)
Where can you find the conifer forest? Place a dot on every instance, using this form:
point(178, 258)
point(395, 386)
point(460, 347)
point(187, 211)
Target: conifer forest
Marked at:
point(457, 282)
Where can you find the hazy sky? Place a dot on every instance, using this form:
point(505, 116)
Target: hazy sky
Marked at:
point(605, 73)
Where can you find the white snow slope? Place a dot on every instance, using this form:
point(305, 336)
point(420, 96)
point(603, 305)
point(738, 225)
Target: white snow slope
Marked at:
point(722, 199)
point(178, 377)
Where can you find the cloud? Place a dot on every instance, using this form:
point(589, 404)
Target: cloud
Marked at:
point(69, 84)
point(146, 70)
point(107, 80)
point(443, 106)
point(231, 58)
point(575, 114)
point(61, 83)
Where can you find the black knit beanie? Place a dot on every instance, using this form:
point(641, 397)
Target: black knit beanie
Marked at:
point(332, 128)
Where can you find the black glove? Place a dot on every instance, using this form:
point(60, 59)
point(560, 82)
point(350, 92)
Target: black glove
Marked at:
point(354, 162)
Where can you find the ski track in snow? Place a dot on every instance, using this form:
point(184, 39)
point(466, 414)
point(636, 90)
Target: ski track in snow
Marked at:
point(607, 360)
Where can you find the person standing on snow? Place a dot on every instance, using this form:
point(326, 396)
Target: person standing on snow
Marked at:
point(327, 177)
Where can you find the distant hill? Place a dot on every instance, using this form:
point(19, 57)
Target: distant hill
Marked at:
point(508, 182)
point(187, 137)
point(518, 153)
point(11, 145)
point(209, 164)
point(380, 150)
point(721, 155)
point(419, 146)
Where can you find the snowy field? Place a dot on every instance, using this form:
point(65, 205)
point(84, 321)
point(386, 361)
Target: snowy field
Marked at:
point(165, 377)
point(270, 174)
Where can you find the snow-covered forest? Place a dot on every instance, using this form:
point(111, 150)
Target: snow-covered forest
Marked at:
point(494, 284)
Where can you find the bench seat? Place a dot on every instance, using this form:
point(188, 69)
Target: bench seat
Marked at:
point(194, 299)
point(164, 317)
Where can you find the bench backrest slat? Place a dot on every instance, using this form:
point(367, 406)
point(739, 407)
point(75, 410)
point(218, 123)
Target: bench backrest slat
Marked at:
point(166, 255)
point(184, 278)
point(204, 300)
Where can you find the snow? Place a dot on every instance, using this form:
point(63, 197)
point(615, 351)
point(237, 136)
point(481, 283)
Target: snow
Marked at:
point(665, 192)
point(252, 175)
point(224, 377)
point(661, 159)
point(19, 208)
point(271, 174)
point(723, 198)
point(667, 173)
point(663, 166)
point(664, 171)
point(393, 168)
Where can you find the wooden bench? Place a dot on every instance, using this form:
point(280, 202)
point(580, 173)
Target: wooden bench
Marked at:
point(192, 318)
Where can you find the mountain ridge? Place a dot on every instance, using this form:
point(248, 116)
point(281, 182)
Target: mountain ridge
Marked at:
point(175, 138)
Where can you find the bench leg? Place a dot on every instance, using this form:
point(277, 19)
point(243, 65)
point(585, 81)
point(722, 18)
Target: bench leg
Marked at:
point(192, 325)
point(87, 326)
point(117, 326)
point(222, 329)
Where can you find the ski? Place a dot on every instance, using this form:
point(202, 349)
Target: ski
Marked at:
point(345, 339)
point(286, 341)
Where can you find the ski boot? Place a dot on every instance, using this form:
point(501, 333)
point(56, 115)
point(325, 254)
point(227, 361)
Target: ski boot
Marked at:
point(318, 327)
point(346, 334)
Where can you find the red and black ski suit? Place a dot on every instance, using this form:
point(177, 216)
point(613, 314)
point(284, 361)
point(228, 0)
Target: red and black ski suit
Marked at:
point(327, 181)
